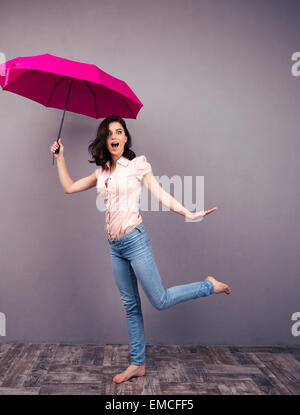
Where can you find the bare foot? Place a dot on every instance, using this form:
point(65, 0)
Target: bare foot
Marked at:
point(132, 370)
point(219, 287)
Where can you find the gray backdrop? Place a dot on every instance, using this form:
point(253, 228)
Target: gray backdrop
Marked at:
point(220, 101)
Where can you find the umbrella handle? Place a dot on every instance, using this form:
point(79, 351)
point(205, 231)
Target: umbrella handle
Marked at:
point(62, 121)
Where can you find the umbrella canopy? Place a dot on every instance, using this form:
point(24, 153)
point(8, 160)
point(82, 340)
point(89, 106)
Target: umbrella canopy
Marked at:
point(61, 83)
point(46, 79)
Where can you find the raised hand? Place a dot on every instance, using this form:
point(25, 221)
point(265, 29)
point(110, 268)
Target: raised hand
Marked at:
point(56, 146)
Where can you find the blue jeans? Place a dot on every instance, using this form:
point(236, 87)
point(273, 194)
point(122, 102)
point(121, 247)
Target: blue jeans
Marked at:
point(132, 259)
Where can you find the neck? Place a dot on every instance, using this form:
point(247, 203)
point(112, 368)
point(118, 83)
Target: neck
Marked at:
point(114, 159)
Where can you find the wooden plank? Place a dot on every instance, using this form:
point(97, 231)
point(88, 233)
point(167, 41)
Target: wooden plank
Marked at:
point(65, 373)
point(197, 353)
point(218, 369)
point(188, 388)
point(92, 355)
point(259, 349)
point(240, 356)
point(4, 348)
point(116, 355)
point(172, 371)
point(279, 371)
point(195, 372)
point(290, 364)
point(9, 358)
point(239, 387)
point(72, 389)
point(265, 385)
point(40, 368)
point(222, 355)
point(19, 391)
point(16, 374)
point(68, 354)
point(273, 386)
point(150, 384)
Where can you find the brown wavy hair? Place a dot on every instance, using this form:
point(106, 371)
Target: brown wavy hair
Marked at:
point(97, 148)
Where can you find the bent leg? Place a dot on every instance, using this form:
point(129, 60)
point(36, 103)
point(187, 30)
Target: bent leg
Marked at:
point(162, 298)
point(127, 284)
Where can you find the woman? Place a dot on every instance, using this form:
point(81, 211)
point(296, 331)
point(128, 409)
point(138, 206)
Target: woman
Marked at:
point(119, 179)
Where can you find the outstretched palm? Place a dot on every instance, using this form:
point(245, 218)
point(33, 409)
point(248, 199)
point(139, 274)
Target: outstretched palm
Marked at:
point(201, 213)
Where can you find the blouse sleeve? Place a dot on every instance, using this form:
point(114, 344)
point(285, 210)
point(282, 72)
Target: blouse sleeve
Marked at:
point(98, 172)
point(142, 166)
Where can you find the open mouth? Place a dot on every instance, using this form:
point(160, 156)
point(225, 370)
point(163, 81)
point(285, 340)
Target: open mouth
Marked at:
point(115, 145)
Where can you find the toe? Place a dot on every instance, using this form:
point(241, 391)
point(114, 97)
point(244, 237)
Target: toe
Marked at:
point(117, 379)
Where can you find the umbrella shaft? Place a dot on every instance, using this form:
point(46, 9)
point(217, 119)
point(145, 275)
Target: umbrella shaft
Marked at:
point(62, 120)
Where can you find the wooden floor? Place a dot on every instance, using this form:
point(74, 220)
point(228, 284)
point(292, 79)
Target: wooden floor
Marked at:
point(63, 369)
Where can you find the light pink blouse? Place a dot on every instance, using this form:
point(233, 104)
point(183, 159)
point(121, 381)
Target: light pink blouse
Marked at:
point(122, 194)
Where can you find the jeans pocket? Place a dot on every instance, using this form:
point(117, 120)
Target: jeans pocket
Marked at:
point(134, 236)
point(144, 239)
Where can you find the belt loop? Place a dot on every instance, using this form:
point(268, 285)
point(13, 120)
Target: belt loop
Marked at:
point(138, 228)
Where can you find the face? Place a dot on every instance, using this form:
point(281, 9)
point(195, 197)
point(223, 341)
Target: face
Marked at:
point(116, 136)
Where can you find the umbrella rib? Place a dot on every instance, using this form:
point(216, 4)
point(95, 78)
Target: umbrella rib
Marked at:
point(93, 96)
point(34, 70)
point(128, 106)
point(57, 83)
point(24, 73)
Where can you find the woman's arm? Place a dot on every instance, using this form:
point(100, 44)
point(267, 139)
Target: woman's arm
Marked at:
point(68, 185)
point(165, 198)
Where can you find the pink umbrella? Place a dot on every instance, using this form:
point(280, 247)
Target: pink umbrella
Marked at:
point(65, 84)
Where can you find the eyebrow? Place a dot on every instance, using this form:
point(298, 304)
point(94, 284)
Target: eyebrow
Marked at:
point(118, 129)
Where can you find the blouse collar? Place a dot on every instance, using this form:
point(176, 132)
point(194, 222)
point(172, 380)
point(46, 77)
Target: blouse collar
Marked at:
point(122, 160)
